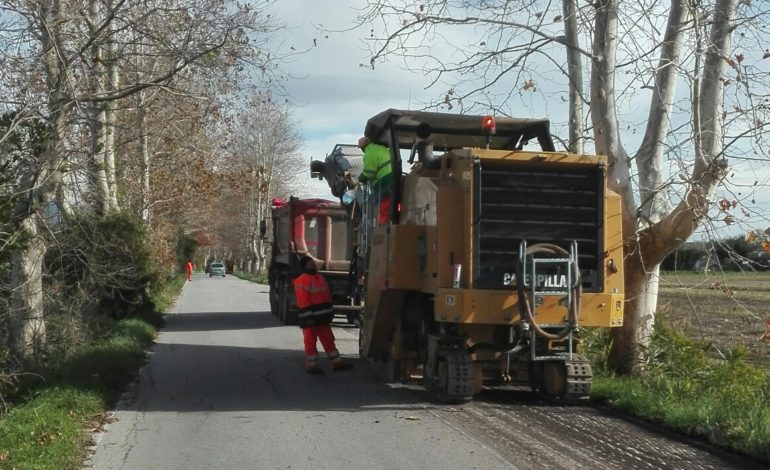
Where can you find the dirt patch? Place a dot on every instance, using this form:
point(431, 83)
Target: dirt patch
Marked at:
point(729, 310)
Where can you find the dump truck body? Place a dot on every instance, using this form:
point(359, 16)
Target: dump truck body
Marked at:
point(316, 228)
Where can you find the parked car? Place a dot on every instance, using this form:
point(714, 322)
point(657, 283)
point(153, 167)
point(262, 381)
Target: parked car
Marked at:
point(217, 269)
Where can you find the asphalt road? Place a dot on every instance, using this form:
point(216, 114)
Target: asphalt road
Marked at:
point(225, 388)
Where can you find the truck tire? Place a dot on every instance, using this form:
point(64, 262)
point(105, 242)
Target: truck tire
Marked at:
point(273, 296)
point(288, 314)
point(292, 315)
point(281, 300)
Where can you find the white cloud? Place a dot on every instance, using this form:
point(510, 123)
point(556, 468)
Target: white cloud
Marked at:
point(332, 93)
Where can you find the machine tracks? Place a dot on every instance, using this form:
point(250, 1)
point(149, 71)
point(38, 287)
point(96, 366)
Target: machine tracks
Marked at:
point(453, 379)
point(532, 433)
point(565, 378)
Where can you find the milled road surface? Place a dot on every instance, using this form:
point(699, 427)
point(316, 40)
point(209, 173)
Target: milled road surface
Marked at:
point(224, 388)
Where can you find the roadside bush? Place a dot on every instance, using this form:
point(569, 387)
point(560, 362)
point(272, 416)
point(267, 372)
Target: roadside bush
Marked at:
point(104, 265)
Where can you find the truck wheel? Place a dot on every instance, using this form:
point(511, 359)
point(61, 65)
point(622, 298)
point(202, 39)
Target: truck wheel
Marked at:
point(281, 301)
point(361, 340)
point(292, 315)
point(273, 296)
point(288, 315)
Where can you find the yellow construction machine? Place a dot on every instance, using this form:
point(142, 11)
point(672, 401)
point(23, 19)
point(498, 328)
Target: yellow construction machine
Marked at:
point(499, 249)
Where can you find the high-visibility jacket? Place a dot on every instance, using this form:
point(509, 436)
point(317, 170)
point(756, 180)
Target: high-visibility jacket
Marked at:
point(377, 170)
point(314, 300)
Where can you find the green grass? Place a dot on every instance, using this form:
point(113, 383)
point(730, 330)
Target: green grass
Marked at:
point(48, 431)
point(258, 278)
point(682, 387)
point(165, 294)
point(48, 426)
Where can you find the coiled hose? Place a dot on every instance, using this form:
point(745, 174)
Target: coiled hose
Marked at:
point(525, 309)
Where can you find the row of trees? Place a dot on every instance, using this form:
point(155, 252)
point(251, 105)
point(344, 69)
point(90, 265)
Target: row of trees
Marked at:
point(115, 112)
point(673, 92)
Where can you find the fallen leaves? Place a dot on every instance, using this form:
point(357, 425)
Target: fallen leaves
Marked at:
point(721, 286)
point(766, 335)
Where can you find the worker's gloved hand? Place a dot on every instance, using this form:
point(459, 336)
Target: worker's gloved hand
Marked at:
point(349, 196)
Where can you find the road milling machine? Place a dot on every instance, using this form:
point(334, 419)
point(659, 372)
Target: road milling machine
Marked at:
point(499, 249)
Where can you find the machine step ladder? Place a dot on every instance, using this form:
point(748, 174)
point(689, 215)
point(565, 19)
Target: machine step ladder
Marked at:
point(535, 270)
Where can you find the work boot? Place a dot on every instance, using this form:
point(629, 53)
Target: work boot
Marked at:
point(340, 366)
point(314, 370)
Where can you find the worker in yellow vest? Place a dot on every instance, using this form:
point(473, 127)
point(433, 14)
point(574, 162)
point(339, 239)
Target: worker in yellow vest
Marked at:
point(378, 174)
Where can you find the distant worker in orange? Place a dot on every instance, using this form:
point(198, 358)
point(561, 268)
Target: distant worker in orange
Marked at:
point(189, 270)
point(378, 174)
point(314, 301)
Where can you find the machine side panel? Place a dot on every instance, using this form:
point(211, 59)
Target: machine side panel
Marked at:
point(613, 264)
point(450, 233)
point(378, 321)
point(477, 306)
point(430, 273)
point(403, 268)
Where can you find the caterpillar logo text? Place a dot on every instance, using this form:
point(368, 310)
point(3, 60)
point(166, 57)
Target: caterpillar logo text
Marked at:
point(558, 281)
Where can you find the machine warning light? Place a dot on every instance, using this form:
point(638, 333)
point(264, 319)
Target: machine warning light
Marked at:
point(488, 124)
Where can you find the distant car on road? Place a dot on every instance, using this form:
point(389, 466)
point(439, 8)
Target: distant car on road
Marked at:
point(217, 269)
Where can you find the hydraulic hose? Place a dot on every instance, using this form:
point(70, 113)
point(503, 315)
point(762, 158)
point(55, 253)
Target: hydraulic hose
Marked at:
point(511, 348)
point(517, 344)
point(525, 309)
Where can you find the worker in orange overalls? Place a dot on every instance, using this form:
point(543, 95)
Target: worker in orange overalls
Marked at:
point(189, 270)
point(314, 301)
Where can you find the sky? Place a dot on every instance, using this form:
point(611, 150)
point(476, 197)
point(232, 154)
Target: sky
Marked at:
point(334, 94)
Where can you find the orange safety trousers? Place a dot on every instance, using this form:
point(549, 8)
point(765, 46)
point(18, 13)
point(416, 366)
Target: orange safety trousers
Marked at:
point(323, 333)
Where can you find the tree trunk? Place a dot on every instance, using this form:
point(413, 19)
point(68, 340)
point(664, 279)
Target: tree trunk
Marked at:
point(99, 173)
point(636, 323)
point(253, 225)
point(264, 211)
point(144, 147)
point(109, 157)
point(641, 291)
point(38, 188)
point(603, 113)
point(649, 158)
point(575, 72)
point(27, 327)
point(113, 83)
point(648, 246)
point(99, 177)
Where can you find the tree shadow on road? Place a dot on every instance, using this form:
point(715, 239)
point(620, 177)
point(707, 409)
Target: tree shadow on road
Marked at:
point(219, 321)
point(205, 378)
